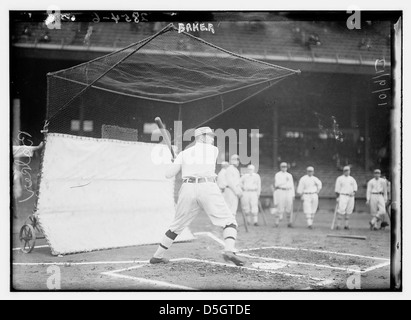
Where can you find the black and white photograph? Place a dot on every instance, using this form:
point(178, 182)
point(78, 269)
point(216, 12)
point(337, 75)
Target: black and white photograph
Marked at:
point(205, 150)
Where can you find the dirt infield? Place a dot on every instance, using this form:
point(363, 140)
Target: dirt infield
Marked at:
point(276, 259)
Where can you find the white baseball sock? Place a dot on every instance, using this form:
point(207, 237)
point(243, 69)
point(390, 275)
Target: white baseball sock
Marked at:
point(230, 235)
point(165, 244)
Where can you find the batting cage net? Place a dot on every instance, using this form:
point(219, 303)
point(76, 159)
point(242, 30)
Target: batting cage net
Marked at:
point(171, 74)
point(101, 183)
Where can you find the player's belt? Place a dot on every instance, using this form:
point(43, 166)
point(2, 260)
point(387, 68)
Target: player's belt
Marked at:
point(198, 180)
point(346, 194)
point(310, 192)
point(250, 190)
point(377, 193)
point(285, 189)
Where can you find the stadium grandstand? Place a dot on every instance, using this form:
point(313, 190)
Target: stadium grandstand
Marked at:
point(328, 117)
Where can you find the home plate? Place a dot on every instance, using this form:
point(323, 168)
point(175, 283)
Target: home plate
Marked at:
point(269, 265)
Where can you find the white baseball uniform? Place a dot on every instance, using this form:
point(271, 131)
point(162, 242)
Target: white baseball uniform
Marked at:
point(377, 195)
point(284, 194)
point(251, 185)
point(199, 192)
point(199, 161)
point(233, 180)
point(309, 187)
point(221, 179)
point(346, 186)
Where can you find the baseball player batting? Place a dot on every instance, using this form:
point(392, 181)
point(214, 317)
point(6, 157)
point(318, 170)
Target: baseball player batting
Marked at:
point(198, 192)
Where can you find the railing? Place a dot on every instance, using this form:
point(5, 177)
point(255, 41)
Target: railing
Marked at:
point(288, 56)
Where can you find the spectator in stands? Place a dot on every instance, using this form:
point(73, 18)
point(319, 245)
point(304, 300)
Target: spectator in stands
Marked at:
point(45, 38)
point(26, 34)
point(299, 35)
point(88, 35)
point(313, 40)
point(365, 43)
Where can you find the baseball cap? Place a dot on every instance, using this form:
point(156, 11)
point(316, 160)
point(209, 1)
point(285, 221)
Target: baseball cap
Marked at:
point(347, 168)
point(377, 171)
point(284, 164)
point(310, 169)
point(203, 130)
point(235, 157)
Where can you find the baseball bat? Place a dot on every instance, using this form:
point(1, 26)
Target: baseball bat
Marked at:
point(166, 139)
point(347, 236)
point(262, 211)
point(292, 211)
point(298, 211)
point(245, 221)
point(335, 216)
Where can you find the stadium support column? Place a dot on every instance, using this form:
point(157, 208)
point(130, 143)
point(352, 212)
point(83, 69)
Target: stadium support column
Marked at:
point(81, 117)
point(16, 120)
point(367, 140)
point(396, 147)
point(275, 136)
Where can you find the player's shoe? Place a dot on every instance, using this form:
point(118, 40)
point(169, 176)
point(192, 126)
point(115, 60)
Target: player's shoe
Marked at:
point(290, 225)
point(372, 226)
point(384, 224)
point(256, 224)
point(347, 228)
point(231, 257)
point(155, 260)
point(310, 227)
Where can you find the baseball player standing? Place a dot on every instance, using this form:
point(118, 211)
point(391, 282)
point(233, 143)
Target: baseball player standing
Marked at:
point(377, 197)
point(309, 187)
point(251, 185)
point(284, 195)
point(199, 191)
point(233, 191)
point(345, 189)
point(384, 223)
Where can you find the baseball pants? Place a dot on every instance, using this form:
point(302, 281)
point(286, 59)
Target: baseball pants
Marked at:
point(231, 200)
point(195, 197)
point(377, 205)
point(249, 205)
point(310, 206)
point(283, 200)
point(346, 205)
